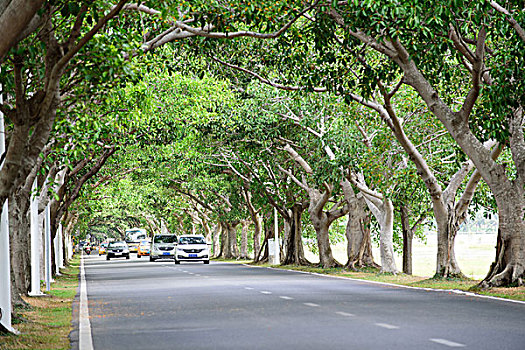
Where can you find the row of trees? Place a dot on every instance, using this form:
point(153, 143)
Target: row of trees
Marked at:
point(388, 113)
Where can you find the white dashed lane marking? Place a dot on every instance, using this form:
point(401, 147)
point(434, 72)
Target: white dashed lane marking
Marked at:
point(248, 288)
point(311, 304)
point(285, 297)
point(265, 292)
point(447, 343)
point(387, 326)
point(346, 314)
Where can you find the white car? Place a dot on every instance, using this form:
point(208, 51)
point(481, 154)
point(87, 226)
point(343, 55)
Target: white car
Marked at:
point(192, 248)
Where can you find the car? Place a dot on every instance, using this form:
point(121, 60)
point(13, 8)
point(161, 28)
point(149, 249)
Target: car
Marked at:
point(117, 249)
point(102, 248)
point(192, 248)
point(163, 247)
point(143, 249)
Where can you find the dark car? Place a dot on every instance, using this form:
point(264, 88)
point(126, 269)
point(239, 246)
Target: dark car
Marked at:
point(117, 249)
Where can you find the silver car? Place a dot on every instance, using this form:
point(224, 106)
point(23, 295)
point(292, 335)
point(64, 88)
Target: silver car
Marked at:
point(117, 249)
point(162, 247)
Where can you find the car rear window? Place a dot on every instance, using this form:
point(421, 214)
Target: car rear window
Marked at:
point(192, 240)
point(165, 239)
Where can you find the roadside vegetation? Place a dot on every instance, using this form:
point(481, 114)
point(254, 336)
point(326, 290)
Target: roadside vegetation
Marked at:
point(46, 321)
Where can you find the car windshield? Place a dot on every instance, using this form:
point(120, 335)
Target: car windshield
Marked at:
point(192, 240)
point(117, 244)
point(144, 243)
point(165, 239)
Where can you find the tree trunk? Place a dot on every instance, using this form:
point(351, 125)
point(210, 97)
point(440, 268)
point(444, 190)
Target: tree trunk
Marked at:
point(223, 240)
point(321, 223)
point(359, 242)
point(408, 235)
point(383, 210)
point(216, 240)
point(386, 245)
point(257, 228)
point(295, 252)
point(263, 255)
point(230, 249)
point(509, 266)
point(322, 226)
point(447, 266)
point(244, 239)
point(19, 228)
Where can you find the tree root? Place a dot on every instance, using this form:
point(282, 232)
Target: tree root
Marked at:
point(513, 275)
point(359, 265)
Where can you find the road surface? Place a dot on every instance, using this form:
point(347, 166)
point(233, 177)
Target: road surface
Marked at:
point(136, 304)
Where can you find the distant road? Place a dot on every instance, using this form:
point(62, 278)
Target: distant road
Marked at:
point(135, 304)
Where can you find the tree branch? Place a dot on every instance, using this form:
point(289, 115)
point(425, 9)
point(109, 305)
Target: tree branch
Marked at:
point(297, 157)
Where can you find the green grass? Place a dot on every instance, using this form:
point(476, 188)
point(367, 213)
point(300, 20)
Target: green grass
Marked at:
point(46, 323)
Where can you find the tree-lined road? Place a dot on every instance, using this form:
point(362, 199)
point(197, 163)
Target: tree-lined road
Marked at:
point(135, 304)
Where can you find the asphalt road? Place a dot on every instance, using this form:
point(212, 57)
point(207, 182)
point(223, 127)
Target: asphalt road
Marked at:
point(135, 304)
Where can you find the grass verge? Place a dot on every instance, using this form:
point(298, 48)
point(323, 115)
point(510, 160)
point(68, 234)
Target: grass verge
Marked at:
point(46, 323)
point(467, 285)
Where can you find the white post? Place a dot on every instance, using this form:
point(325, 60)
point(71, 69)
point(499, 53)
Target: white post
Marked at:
point(60, 235)
point(36, 245)
point(47, 232)
point(55, 255)
point(5, 262)
point(277, 256)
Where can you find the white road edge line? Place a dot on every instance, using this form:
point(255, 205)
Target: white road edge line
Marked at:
point(285, 297)
point(311, 304)
point(447, 343)
point(85, 341)
point(386, 325)
point(455, 291)
point(346, 314)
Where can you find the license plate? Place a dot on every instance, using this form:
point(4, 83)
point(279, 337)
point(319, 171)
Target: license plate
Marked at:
point(166, 253)
point(193, 255)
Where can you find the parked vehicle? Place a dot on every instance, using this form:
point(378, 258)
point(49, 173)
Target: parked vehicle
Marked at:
point(87, 249)
point(133, 237)
point(117, 249)
point(192, 248)
point(143, 249)
point(162, 247)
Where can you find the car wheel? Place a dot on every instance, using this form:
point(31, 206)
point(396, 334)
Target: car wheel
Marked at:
point(139, 256)
point(127, 256)
point(177, 261)
point(107, 257)
point(206, 262)
point(152, 259)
